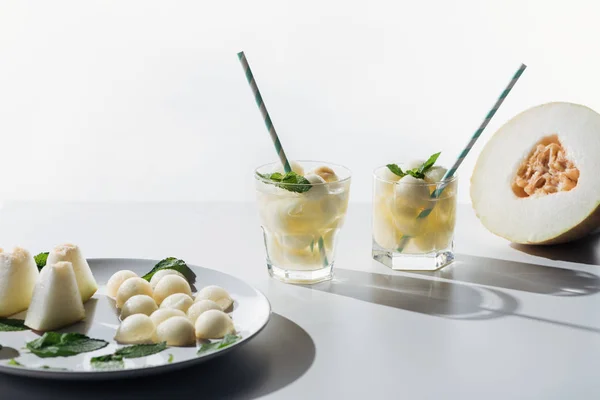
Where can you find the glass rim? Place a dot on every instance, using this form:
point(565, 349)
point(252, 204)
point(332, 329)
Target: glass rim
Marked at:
point(258, 177)
point(447, 181)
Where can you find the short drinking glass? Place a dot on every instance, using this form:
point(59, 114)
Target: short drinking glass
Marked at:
point(301, 222)
point(413, 222)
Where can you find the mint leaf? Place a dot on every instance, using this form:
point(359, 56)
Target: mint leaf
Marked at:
point(291, 181)
point(140, 350)
point(14, 363)
point(396, 170)
point(429, 163)
point(54, 344)
point(170, 358)
point(415, 173)
point(108, 362)
point(40, 260)
point(12, 325)
point(228, 340)
point(172, 263)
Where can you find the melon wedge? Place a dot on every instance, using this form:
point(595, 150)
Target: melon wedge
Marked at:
point(56, 300)
point(85, 279)
point(18, 274)
point(537, 179)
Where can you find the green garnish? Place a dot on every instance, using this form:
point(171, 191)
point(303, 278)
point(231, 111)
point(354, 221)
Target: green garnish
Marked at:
point(228, 340)
point(11, 325)
point(419, 172)
point(172, 263)
point(170, 360)
point(291, 181)
point(141, 350)
point(14, 363)
point(115, 360)
point(53, 344)
point(107, 362)
point(41, 260)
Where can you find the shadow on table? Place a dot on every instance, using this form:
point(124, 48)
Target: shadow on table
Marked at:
point(519, 276)
point(584, 251)
point(275, 358)
point(426, 296)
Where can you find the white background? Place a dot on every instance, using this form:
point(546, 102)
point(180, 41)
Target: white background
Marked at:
point(145, 100)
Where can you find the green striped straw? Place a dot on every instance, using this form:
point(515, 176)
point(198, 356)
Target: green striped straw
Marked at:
point(450, 173)
point(263, 110)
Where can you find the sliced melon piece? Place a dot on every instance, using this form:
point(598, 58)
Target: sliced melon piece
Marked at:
point(85, 279)
point(536, 180)
point(56, 299)
point(18, 273)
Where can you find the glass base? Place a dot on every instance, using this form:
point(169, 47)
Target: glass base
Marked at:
point(301, 277)
point(413, 262)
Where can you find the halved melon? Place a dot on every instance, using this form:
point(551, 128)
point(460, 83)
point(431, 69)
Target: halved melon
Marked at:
point(537, 180)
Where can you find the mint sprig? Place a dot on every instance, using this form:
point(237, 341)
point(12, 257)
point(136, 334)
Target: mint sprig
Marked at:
point(291, 181)
point(11, 325)
point(418, 172)
point(172, 263)
point(228, 340)
point(54, 344)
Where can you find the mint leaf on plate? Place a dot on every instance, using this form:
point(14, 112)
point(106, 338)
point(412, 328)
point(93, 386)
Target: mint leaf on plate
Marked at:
point(12, 325)
point(429, 163)
point(108, 362)
point(396, 170)
point(141, 350)
point(171, 358)
point(54, 344)
point(14, 363)
point(228, 340)
point(40, 260)
point(172, 263)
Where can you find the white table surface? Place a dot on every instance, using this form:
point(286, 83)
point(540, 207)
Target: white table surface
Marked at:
point(504, 322)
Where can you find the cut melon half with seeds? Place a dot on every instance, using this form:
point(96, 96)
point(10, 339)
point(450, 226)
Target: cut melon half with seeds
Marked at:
point(537, 180)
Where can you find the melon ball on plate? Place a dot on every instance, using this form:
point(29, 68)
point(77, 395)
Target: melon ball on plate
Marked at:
point(162, 314)
point(200, 307)
point(179, 301)
point(56, 301)
point(136, 329)
point(213, 324)
point(132, 287)
point(216, 294)
point(169, 285)
point(158, 275)
point(176, 331)
point(116, 280)
point(85, 279)
point(18, 275)
point(138, 304)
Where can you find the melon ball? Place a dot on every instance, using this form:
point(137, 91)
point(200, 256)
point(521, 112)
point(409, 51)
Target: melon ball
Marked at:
point(326, 173)
point(138, 304)
point(213, 324)
point(161, 274)
point(169, 285)
point(136, 329)
point(412, 164)
point(162, 314)
point(319, 187)
point(216, 294)
point(412, 192)
point(435, 174)
point(176, 331)
point(179, 301)
point(199, 307)
point(132, 287)
point(116, 280)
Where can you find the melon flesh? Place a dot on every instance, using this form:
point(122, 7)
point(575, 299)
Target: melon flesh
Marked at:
point(536, 180)
point(56, 300)
point(85, 279)
point(18, 273)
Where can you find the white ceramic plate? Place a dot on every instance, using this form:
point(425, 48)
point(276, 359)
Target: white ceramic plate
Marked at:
point(251, 312)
